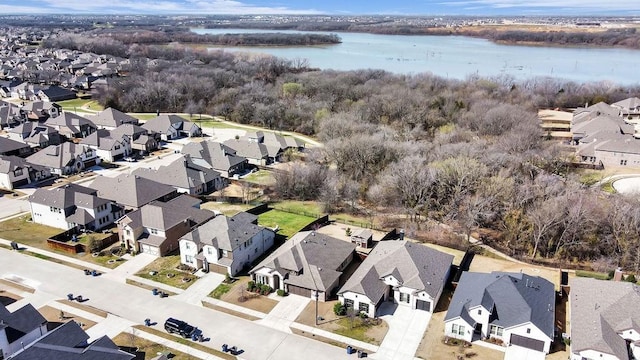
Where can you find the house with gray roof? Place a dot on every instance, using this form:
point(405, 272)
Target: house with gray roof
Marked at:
point(41, 110)
point(10, 115)
point(172, 127)
point(16, 171)
point(216, 156)
point(628, 108)
point(55, 93)
point(514, 308)
point(406, 273)
point(157, 227)
point(132, 191)
point(605, 323)
point(35, 135)
point(142, 141)
point(19, 327)
point(72, 125)
point(67, 158)
point(255, 153)
point(309, 264)
point(69, 342)
point(111, 118)
point(275, 144)
point(14, 147)
point(73, 206)
point(184, 175)
point(108, 147)
point(226, 245)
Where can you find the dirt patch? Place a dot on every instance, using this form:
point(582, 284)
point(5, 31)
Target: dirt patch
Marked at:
point(86, 308)
point(369, 330)
point(54, 315)
point(148, 348)
point(238, 295)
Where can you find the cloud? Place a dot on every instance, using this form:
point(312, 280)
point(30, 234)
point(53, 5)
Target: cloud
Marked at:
point(154, 7)
point(614, 5)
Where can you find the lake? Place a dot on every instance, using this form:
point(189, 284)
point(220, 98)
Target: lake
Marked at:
point(457, 57)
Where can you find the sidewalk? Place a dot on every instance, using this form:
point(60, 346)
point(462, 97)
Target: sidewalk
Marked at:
point(329, 335)
point(156, 284)
point(65, 258)
point(240, 309)
point(130, 267)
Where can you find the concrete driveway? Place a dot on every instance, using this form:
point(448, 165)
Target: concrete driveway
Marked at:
point(134, 304)
point(285, 313)
point(406, 328)
point(515, 352)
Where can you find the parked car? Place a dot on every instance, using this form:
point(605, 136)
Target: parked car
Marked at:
point(175, 326)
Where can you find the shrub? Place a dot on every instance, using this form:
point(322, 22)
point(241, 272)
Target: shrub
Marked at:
point(348, 231)
point(281, 292)
point(363, 315)
point(265, 289)
point(630, 278)
point(227, 278)
point(251, 285)
point(94, 244)
point(339, 309)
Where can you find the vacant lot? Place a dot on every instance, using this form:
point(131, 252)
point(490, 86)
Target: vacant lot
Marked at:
point(288, 223)
point(166, 271)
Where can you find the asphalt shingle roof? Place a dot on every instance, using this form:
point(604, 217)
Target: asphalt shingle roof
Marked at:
point(130, 190)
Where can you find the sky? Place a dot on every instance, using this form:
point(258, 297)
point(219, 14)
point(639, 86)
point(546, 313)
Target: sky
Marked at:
point(337, 7)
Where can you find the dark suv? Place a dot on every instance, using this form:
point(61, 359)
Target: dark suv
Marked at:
point(175, 326)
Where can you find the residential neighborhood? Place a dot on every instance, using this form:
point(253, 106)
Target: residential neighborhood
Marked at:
point(160, 231)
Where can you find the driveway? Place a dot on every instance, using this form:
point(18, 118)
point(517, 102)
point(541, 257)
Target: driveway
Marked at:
point(515, 352)
point(130, 267)
point(406, 328)
point(285, 313)
point(201, 288)
point(135, 304)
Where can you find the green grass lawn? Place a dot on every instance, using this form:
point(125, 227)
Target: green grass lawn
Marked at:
point(220, 290)
point(167, 272)
point(288, 223)
point(149, 348)
point(76, 104)
point(261, 177)
point(314, 209)
point(592, 274)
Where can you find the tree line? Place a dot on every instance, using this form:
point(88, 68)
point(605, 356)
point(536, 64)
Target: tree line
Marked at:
point(468, 153)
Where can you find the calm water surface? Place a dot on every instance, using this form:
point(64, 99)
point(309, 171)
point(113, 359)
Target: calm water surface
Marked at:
point(458, 57)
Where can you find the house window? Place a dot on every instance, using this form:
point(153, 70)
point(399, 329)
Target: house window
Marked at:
point(153, 231)
point(128, 232)
point(496, 330)
point(209, 250)
point(457, 329)
point(187, 245)
point(18, 172)
point(480, 312)
point(405, 297)
point(225, 253)
point(363, 307)
point(188, 259)
point(528, 331)
point(623, 162)
point(348, 303)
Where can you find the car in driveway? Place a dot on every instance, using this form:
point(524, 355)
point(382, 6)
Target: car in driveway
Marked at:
point(175, 326)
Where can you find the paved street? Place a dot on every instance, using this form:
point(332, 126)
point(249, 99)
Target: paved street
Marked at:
point(53, 281)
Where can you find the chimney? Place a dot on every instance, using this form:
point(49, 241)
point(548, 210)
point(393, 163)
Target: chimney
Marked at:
point(617, 275)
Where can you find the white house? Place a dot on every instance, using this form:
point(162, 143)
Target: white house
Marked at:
point(172, 127)
point(107, 147)
point(66, 158)
point(226, 244)
point(309, 264)
point(16, 171)
point(605, 323)
point(19, 328)
point(406, 273)
point(515, 308)
point(72, 205)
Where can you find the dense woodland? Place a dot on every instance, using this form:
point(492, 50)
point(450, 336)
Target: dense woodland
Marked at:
point(467, 153)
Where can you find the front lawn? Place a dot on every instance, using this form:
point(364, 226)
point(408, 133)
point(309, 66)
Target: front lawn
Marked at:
point(237, 294)
point(220, 290)
point(187, 342)
point(150, 349)
point(165, 270)
point(288, 223)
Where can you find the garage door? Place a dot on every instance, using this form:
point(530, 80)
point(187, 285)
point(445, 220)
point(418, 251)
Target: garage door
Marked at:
point(423, 305)
point(299, 291)
point(527, 342)
point(151, 250)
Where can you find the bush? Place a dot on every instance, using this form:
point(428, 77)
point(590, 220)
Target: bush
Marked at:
point(94, 244)
point(265, 289)
point(251, 285)
point(339, 309)
point(281, 292)
point(363, 315)
point(630, 278)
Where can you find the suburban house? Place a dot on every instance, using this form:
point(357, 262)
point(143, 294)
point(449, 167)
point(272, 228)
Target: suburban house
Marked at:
point(69, 342)
point(56, 93)
point(226, 245)
point(276, 144)
point(10, 115)
point(41, 110)
point(108, 147)
point(409, 274)
point(216, 156)
point(65, 159)
point(132, 191)
point(514, 308)
point(255, 153)
point(185, 176)
point(35, 135)
point(172, 127)
point(142, 141)
point(14, 147)
point(605, 323)
point(309, 264)
point(71, 206)
point(157, 227)
point(22, 326)
point(111, 118)
point(16, 171)
point(71, 125)
point(607, 135)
